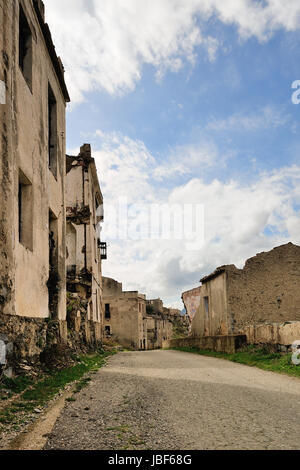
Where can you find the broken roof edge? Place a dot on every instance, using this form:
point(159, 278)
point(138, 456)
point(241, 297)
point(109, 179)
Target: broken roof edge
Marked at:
point(231, 267)
point(190, 291)
point(56, 61)
point(85, 157)
point(218, 271)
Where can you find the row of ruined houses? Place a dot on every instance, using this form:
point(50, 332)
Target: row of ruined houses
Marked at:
point(137, 322)
point(258, 304)
point(51, 286)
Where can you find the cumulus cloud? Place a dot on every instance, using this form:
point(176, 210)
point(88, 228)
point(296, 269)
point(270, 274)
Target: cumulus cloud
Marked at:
point(104, 44)
point(240, 219)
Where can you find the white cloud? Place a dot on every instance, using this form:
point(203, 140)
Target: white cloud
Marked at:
point(124, 167)
point(104, 44)
point(236, 218)
point(185, 160)
point(267, 117)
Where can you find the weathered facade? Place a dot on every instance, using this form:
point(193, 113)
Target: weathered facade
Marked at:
point(85, 251)
point(124, 315)
point(32, 178)
point(191, 301)
point(129, 319)
point(239, 301)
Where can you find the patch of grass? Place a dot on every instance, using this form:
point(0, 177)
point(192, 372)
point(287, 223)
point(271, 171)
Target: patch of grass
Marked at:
point(136, 441)
point(45, 390)
point(122, 429)
point(82, 384)
point(254, 356)
point(36, 395)
point(16, 385)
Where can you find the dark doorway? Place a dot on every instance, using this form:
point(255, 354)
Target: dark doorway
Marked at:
point(53, 281)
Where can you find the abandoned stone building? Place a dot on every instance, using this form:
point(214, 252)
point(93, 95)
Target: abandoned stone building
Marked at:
point(157, 306)
point(85, 251)
point(262, 300)
point(123, 314)
point(129, 320)
point(32, 178)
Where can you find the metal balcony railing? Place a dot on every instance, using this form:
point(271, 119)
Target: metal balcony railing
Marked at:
point(103, 249)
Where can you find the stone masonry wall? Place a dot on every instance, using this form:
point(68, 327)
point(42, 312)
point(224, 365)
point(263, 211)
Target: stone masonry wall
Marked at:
point(32, 341)
point(266, 290)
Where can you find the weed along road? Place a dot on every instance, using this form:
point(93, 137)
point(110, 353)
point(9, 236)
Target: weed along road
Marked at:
point(174, 400)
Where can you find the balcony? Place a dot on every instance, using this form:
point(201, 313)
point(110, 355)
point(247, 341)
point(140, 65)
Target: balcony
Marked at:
point(103, 249)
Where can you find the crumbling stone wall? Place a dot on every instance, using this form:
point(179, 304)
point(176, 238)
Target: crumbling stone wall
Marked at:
point(267, 290)
point(84, 263)
point(281, 335)
point(27, 339)
point(30, 342)
point(83, 333)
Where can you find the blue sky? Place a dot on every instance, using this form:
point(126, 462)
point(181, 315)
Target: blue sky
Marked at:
point(187, 102)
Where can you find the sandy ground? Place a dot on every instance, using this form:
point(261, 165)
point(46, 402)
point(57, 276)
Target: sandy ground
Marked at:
point(172, 400)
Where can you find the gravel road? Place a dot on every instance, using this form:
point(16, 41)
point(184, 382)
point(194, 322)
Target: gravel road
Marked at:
point(173, 400)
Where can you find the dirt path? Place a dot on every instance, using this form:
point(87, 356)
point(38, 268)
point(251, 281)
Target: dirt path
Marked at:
point(173, 400)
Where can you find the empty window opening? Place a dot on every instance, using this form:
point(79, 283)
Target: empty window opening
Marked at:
point(97, 306)
point(71, 241)
point(206, 305)
point(25, 47)
point(96, 250)
point(91, 311)
point(53, 281)
point(107, 311)
point(52, 131)
point(107, 330)
point(25, 210)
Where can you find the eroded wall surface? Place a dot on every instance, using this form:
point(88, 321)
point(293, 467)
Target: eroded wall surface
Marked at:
point(191, 301)
point(211, 316)
point(127, 320)
point(266, 290)
point(83, 259)
point(25, 159)
point(32, 203)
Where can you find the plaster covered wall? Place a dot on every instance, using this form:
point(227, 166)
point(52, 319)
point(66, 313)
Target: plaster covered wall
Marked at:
point(129, 322)
point(126, 314)
point(191, 301)
point(24, 271)
point(211, 316)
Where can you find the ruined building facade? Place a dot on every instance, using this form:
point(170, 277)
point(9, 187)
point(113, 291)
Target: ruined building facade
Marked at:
point(85, 251)
point(32, 175)
point(123, 314)
point(130, 321)
point(262, 300)
point(51, 292)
